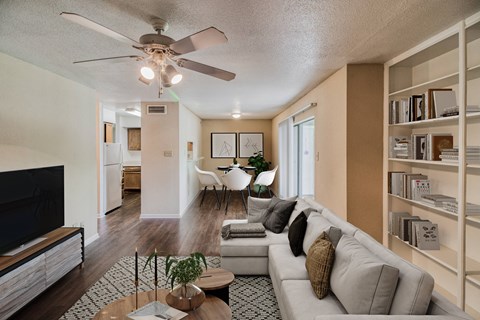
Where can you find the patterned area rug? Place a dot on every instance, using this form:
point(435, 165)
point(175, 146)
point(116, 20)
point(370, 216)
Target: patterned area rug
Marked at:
point(251, 297)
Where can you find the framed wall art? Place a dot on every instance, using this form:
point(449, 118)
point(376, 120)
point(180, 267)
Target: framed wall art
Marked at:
point(250, 143)
point(223, 145)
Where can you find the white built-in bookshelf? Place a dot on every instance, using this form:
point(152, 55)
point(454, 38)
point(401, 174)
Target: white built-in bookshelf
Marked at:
point(451, 59)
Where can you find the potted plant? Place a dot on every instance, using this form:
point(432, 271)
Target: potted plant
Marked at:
point(260, 164)
point(185, 295)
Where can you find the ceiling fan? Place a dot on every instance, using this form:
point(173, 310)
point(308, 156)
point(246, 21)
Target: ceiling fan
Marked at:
point(162, 51)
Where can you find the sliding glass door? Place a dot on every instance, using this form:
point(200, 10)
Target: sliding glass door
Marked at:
point(304, 159)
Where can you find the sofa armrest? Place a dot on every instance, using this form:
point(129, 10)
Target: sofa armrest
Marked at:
point(382, 316)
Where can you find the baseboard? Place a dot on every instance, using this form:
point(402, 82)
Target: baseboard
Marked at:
point(92, 239)
point(160, 216)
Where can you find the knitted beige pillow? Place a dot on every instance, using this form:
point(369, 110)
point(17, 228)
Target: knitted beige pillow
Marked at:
point(319, 263)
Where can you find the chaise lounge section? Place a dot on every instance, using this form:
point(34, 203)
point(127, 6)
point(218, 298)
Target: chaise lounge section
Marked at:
point(367, 281)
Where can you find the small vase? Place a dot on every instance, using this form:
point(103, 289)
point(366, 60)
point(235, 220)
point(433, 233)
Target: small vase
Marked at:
point(185, 297)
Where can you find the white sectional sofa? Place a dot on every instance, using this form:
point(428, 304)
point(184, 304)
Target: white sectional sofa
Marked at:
point(412, 297)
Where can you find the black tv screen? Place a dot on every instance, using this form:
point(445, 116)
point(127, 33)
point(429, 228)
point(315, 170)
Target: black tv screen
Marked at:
point(31, 205)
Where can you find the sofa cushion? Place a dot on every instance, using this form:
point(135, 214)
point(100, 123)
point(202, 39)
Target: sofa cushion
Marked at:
point(316, 224)
point(362, 282)
point(313, 204)
point(296, 233)
point(300, 206)
point(414, 287)
point(284, 266)
point(250, 247)
point(301, 303)
point(319, 264)
point(276, 217)
point(257, 208)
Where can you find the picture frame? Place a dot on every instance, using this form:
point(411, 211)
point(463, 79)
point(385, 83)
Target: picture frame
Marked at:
point(223, 145)
point(250, 143)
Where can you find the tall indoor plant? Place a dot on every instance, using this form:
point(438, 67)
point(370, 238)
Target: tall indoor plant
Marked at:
point(260, 164)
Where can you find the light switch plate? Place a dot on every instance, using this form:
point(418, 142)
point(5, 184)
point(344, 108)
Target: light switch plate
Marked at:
point(168, 153)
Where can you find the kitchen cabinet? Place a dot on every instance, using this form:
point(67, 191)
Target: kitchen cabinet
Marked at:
point(132, 177)
point(134, 139)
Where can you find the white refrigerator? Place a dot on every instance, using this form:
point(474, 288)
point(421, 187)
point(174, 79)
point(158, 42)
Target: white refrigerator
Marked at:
point(112, 171)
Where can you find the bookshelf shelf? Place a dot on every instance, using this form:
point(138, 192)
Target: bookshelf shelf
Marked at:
point(440, 82)
point(447, 258)
point(425, 162)
point(440, 63)
point(437, 122)
point(474, 219)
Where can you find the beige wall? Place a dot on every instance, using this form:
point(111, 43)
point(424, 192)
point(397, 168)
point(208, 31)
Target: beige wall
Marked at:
point(330, 137)
point(160, 173)
point(47, 120)
point(365, 147)
point(349, 144)
point(209, 126)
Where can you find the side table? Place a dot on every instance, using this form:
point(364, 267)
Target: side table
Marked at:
point(216, 282)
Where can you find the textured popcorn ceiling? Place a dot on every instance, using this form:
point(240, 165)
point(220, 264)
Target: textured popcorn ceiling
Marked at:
point(279, 49)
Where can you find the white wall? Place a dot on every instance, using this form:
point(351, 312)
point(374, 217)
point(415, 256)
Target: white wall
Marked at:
point(190, 130)
point(160, 173)
point(130, 157)
point(47, 120)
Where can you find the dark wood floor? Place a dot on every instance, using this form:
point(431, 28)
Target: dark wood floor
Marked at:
point(120, 232)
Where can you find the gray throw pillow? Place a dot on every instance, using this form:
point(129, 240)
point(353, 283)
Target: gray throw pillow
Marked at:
point(276, 217)
point(362, 282)
point(257, 208)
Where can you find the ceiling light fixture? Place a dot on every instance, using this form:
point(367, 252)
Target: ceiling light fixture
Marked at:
point(174, 76)
point(147, 73)
point(236, 115)
point(133, 111)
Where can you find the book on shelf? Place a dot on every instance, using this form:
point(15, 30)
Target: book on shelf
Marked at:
point(455, 111)
point(412, 239)
point(417, 109)
point(407, 183)
point(471, 209)
point(420, 188)
point(155, 311)
point(437, 200)
point(443, 100)
point(394, 112)
point(472, 154)
point(403, 232)
point(395, 183)
point(419, 146)
point(394, 221)
point(436, 142)
point(430, 104)
point(426, 235)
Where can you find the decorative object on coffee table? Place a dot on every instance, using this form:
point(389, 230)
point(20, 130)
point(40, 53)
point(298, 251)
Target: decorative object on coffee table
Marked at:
point(185, 295)
point(216, 282)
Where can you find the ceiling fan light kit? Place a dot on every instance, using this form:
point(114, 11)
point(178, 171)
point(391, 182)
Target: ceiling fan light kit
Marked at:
point(236, 115)
point(162, 51)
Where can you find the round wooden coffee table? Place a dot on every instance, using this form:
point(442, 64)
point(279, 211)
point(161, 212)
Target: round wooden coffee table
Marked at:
point(213, 308)
point(216, 282)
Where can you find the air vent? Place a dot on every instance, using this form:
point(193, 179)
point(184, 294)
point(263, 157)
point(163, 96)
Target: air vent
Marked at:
point(157, 109)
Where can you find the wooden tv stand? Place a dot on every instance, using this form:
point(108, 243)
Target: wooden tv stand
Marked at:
point(28, 273)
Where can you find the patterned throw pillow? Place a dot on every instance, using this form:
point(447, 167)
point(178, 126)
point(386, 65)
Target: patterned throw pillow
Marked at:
point(319, 263)
point(296, 233)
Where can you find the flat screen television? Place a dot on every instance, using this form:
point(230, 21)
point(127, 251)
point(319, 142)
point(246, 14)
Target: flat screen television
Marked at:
point(31, 205)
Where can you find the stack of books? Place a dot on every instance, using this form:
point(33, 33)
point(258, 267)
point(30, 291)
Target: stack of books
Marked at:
point(419, 233)
point(451, 155)
point(454, 111)
point(400, 147)
point(437, 200)
point(471, 208)
point(408, 185)
point(429, 146)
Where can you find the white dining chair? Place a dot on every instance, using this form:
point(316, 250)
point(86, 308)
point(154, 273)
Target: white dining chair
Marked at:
point(209, 179)
point(265, 179)
point(236, 180)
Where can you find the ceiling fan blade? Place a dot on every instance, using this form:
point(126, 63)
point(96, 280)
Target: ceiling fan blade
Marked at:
point(208, 70)
point(81, 20)
point(200, 40)
point(113, 59)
